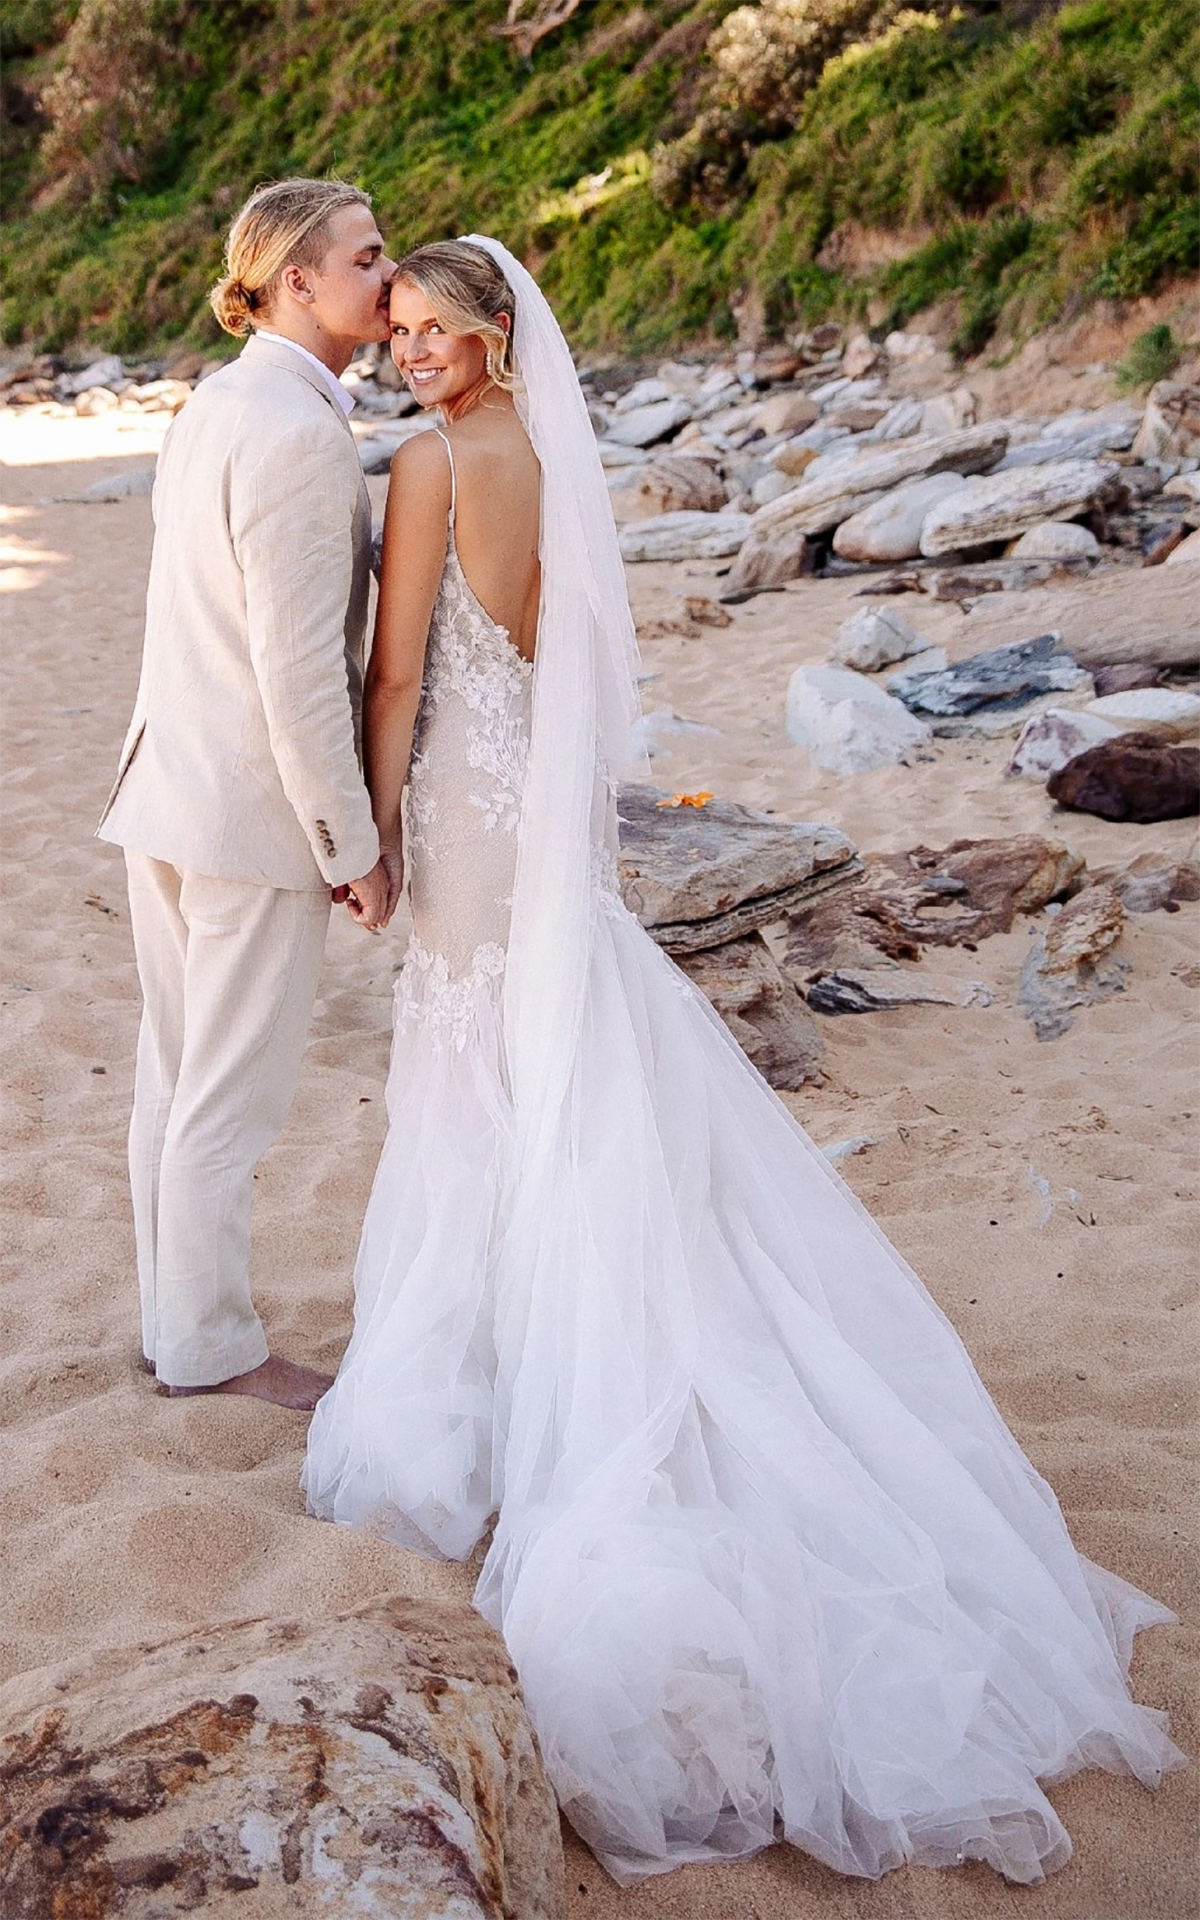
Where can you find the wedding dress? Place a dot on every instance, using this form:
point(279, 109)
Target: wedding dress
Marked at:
point(767, 1559)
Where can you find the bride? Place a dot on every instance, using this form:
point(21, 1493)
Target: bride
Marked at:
point(767, 1559)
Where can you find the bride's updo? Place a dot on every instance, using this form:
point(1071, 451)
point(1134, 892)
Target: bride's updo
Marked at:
point(282, 224)
point(468, 293)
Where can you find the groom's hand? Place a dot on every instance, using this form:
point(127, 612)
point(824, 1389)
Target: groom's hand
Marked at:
point(367, 900)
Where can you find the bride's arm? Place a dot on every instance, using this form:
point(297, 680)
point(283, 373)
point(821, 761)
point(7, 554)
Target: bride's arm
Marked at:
point(414, 554)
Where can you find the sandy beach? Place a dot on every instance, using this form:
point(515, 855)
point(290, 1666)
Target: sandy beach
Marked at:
point(128, 1517)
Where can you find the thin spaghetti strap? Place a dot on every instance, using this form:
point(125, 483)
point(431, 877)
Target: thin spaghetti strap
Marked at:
point(453, 480)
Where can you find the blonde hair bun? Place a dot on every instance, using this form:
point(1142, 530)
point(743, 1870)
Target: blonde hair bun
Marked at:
point(284, 223)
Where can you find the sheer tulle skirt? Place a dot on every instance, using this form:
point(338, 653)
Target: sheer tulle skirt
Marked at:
point(767, 1559)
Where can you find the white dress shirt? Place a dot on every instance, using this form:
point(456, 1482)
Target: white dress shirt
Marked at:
point(341, 394)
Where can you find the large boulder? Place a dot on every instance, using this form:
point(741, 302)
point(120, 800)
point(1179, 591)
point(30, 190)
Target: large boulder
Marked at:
point(1002, 677)
point(786, 413)
point(890, 529)
point(848, 723)
point(783, 554)
point(685, 536)
point(840, 488)
point(698, 876)
point(675, 484)
point(761, 1007)
point(1134, 776)
point(1057, 540)
point(1005, 504)
point(379, 1763)
point(875, 637)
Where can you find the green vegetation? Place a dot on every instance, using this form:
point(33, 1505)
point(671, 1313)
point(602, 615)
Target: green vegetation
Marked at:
point(1153, 356)
point(660, 165)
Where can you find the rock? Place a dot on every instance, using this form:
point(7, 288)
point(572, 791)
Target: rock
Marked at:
point(947, 412)
point(1185, 486)
point(860, 357)
point(644, 425)
point(873, 989)
point(875, 637)
point(1001, 677)
point(1136, 776)
point(122, 486)
point(1170, 428)
point(611, 455)
point(1151, 881)
point(1005, 504)
point(928, 660)
point(910, 346)
point(685, 536)
point(846, 1149)
point(793, 457)
point(699, 876)
point(761, 1007)
point(1057, 540)
point(158, 396)
point(1146, 704)
point(768, 487)
point(96, 400)
point(109, 372)
point(767, 559)
point(1187, 552)
point(860, 418)
point(377, 1763)
point(848, 723)
point(924, 897)
point(643, 393)
point(1055, 736)
point(377, 453)
point(1071, 966)
point(688, 617)
point(970, 579)
point(1079, 436)
point(901, 421)
point(824, 338)
point(891, 528)
point(822, 501)
point(786, 413)
point(1122, 677)
point(775, 364)
point(674, 484)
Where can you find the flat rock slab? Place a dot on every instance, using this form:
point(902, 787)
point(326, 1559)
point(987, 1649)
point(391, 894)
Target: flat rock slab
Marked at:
point(877, 989)
point(699, 876)
point(377, 1764)
point(1072, 965)
point(684, 536)
point(1004, 504)
point(1002, 677)
point(642, 426)
point(761, 1007)
point(948, 897)
point(850, 724)
point(842, 486)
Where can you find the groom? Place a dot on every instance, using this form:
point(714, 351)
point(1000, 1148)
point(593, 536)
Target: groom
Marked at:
point(239, 800)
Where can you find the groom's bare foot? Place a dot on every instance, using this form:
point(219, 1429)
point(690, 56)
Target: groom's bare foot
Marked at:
point(283, 1382)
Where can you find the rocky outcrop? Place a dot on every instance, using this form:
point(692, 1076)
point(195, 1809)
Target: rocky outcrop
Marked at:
point(831, 492)
point(1135, 776)
point(1072, 965)
point(848, 723)
point(1170, 428)
point(698, 876)
point(890, 530)
point(377, 1764)
point(674, 484)
point(926, 897)
point(761, 1007)
point(1005, 504)
point(642, 426)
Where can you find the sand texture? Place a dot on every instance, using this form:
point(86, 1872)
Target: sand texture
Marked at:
point(1046, 1192)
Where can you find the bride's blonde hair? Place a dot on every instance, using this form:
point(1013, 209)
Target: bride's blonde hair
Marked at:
point(283, 224)
point(467, 292)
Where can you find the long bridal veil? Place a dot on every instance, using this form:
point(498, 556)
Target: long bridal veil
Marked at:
point(767, 1559)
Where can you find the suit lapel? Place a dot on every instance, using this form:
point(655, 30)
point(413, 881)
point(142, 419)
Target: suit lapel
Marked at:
point(269, 353)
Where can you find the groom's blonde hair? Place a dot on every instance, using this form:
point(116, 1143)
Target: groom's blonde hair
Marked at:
point(284, 223)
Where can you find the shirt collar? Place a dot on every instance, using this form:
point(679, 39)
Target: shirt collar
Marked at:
point(341, 394)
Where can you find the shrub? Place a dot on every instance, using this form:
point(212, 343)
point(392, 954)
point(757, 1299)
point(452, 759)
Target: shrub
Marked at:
point(1153, 356)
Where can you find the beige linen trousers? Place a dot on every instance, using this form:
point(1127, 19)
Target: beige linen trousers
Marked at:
point(239, 801)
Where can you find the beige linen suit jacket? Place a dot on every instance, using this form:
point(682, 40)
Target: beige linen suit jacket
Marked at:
point(241, 761)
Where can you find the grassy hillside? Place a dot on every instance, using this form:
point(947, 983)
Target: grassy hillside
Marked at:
point(662, 165)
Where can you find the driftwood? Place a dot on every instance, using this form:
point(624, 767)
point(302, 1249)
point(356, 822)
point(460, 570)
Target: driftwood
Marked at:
point(529, 21)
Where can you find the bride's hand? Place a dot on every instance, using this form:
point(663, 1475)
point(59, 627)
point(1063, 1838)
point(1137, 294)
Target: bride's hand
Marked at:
point(391, 859)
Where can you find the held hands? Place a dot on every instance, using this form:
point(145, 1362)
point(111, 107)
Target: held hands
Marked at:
point(372, 900)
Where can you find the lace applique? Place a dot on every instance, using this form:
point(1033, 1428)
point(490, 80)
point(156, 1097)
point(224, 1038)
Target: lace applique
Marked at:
point(426, 995)
point(473, 658)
